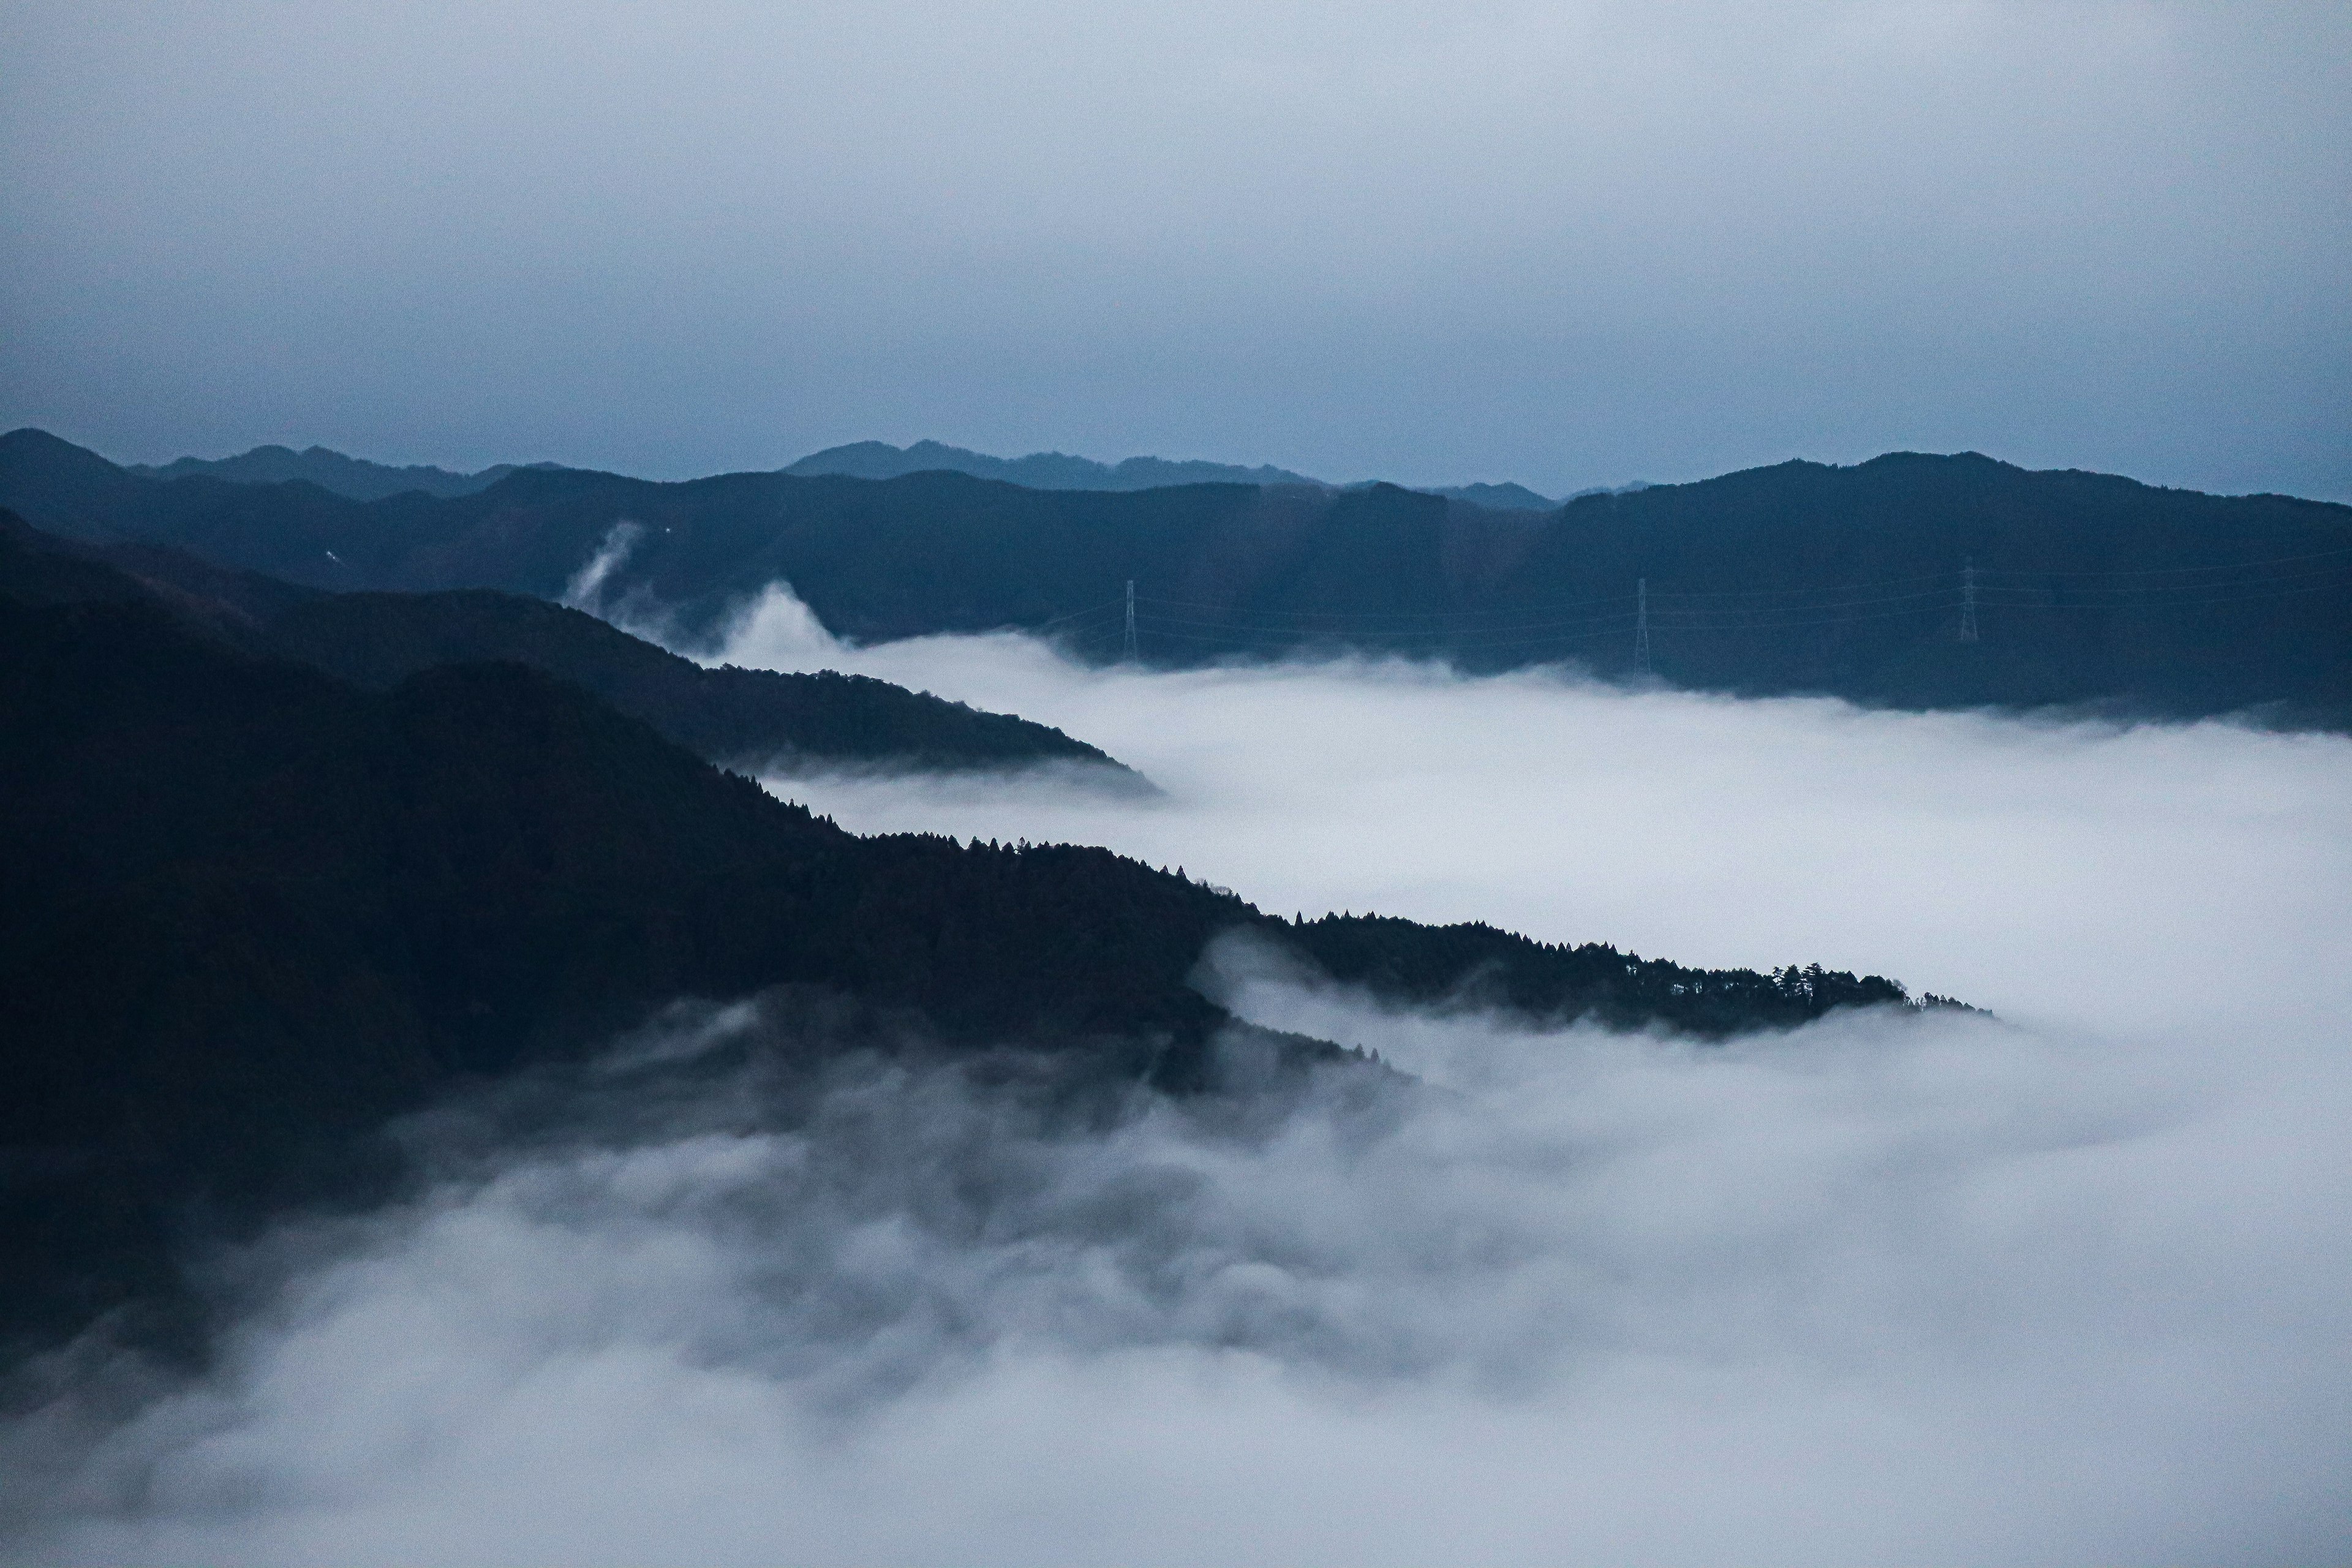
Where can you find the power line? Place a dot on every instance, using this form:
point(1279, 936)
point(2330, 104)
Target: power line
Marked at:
point(1237, 623)
point(2171, 571)
point(2175, 604)
point(1542, 608)
point(1210, 632)
point(1704, 612)
point(1943, 592)
point(2321, 577)
point(1073, 615)
point(1255, 621)
point(1839, 588)
point(1827, 621)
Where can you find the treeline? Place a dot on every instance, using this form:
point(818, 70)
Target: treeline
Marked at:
point(1479, 966)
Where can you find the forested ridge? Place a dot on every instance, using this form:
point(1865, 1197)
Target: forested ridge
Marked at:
point(248, 910)
point(1480, 965)
point(1802, 577)
point(753, 718)
point(757, 720)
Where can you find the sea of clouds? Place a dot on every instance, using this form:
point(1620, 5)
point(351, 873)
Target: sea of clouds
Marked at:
point(2069, 1283)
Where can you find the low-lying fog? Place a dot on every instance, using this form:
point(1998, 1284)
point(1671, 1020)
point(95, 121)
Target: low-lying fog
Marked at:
point(2070, 1286)
point(2114, 877)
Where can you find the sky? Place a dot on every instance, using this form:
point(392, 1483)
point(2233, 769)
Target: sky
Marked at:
point(2068, 1284)
point(1571, 243)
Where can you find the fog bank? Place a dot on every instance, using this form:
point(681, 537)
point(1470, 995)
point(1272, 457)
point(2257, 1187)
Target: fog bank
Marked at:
point(1881, 1291)
point(2116, 876)
point(2073, 1284)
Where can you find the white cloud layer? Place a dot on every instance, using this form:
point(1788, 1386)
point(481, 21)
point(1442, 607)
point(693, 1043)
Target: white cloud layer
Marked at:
point(2095, 873)
point(2073, 1286)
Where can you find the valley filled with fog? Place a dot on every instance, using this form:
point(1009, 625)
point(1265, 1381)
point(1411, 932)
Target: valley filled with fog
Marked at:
point(2109, 875)
point(2065, 1283)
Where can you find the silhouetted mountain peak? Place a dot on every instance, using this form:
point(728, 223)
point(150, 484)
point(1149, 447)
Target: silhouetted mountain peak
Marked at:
point(32, 448)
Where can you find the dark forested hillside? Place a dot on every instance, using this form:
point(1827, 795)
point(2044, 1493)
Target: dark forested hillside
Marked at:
point(2087, 589)
point(754, 718)
point(248, 910)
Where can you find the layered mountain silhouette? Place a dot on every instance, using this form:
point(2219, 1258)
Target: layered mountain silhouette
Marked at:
point(248, 910)
point(1499, 498)
point(1857, 581)
point(1060, 471)
point(1037, 472)
point(330, 470)
point(364, 480)
point(757, 720)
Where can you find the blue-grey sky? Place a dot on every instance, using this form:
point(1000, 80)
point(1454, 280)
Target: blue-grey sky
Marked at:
point(1569, 243)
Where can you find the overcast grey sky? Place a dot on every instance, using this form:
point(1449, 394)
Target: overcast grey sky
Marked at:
point(1569, 243)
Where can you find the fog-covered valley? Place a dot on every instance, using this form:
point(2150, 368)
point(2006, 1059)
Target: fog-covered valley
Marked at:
point(2063, 1284)
point(2104, 873)
point(829, 784)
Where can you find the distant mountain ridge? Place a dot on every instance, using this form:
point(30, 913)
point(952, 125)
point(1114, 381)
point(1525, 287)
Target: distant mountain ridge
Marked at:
point(330, 470)
point(1060, 471)
point(1037, 472)
point(361, 479)
point(1506, 497)
point(1912, 580)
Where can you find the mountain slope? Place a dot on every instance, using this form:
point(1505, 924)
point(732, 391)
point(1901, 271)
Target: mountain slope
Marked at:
point(754, 718)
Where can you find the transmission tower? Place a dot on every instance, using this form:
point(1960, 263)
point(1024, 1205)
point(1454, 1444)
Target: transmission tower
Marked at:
point(1641, 624)
point(1130, 621)
point(1969, 601)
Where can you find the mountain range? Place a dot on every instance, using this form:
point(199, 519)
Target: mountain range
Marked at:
point(1037, 472)
point(330, 470)
point(364, 480)
point(1060, 471)
point(1912, 580)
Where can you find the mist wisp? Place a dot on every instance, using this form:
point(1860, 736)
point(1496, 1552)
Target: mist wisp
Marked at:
point(2069, 1284)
